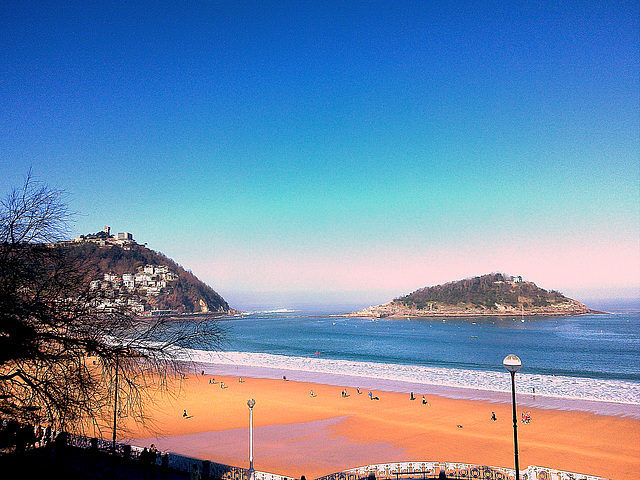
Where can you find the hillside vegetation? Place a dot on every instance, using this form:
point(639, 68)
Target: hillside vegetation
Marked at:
point(185, 294)
point(492, 294)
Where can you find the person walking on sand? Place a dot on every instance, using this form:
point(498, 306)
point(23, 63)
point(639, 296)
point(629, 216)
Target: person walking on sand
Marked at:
point(493, 416)
point(370, 395)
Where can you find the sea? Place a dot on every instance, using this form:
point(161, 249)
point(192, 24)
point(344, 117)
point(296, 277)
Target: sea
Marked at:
point(589, 362)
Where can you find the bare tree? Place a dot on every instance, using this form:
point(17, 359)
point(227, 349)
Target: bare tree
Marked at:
point(61, 361)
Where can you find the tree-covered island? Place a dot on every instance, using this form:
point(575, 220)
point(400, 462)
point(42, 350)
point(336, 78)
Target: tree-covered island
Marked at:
point(495, 294)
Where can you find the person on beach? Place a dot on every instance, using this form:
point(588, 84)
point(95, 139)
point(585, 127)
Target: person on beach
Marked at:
point(312, 395)
point(184, 414)
point(358, 390)
point(370, 396)
point(412, 397)
point(493, 416)
point(240, 380)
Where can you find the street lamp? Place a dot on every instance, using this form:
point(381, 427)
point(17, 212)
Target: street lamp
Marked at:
point(250, 404)
point(512, 363)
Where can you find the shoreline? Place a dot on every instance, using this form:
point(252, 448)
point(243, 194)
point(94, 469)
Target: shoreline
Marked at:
point(398, 386)
point(418, 314)
point(296, 434)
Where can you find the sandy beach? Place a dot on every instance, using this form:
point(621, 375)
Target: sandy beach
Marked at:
point(296, 434)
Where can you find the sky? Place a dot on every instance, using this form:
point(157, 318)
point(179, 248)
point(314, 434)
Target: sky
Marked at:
point(338, 153)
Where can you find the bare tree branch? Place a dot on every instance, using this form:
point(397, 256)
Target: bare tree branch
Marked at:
point(59, 358)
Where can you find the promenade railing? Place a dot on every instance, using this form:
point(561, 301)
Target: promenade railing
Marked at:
point(419, 470)
point(173, 461)
point(450, 470)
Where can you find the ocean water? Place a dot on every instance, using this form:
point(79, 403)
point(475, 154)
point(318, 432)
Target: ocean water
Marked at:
point(594, 358)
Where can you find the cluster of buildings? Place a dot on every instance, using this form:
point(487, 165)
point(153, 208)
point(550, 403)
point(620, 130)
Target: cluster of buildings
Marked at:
point(132, 290)
point(104, 238)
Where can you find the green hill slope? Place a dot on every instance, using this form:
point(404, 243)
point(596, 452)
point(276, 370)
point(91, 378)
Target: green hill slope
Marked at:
point(492, 294)
point(154, 281)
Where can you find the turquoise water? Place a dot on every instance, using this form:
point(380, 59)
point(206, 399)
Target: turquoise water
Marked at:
point(591, 346)
point(590, 359)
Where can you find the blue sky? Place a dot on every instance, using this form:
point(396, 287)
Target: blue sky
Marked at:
point(324, 153)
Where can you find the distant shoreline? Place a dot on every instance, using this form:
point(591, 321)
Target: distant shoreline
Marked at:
point(360, 314)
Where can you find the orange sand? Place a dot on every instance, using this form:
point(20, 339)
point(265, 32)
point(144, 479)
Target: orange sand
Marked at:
point(358, 431)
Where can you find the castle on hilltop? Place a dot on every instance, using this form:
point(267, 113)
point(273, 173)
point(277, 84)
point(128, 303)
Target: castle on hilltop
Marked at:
point(105, 238)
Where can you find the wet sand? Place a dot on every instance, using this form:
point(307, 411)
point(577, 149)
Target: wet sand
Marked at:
point(296, 434)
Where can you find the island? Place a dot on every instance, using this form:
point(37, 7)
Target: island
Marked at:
point(494, 294)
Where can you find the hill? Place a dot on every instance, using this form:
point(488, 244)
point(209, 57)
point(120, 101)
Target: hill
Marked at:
point(145, 280)
point(493, 294)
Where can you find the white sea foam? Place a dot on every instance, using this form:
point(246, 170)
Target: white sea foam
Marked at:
point(615, 391)
point(267, 312)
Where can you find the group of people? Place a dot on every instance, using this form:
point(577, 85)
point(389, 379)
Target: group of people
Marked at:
point(526, 417)
point(148, 457)
point(23, 436)
point(424, 400)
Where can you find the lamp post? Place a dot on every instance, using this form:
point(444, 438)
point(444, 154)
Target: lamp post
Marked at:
point(512, 363)
point(250, 404)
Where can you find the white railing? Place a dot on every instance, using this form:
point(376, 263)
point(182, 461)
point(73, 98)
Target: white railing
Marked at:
point(450, 470)
point(381, 471)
